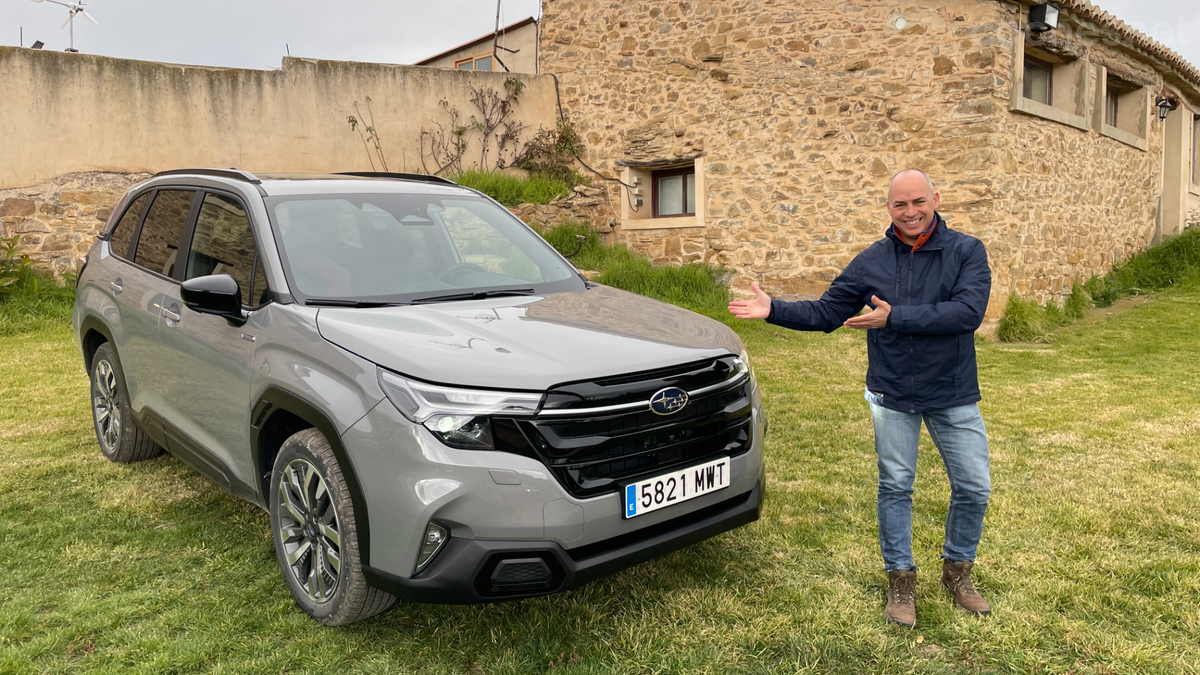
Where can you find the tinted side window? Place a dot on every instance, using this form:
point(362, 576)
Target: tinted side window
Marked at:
point(222, 243)
point(159, 240)
point(122, 234)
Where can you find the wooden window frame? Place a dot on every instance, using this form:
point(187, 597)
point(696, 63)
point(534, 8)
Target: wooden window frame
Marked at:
point(1039, 64)
point(1112, 105)
point(474, 59)
point(664, 173)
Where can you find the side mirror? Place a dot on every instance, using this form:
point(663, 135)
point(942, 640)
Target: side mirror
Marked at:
point(217, 294)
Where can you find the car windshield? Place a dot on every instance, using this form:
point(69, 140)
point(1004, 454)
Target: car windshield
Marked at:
point(381, 248)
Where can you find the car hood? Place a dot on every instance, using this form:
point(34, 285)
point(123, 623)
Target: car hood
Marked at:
point(528, 342)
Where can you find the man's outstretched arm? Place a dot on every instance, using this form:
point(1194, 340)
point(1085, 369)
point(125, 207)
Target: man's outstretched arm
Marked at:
point(838, 304)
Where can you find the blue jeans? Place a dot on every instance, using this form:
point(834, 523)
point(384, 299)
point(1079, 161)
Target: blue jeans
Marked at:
point(961, 439)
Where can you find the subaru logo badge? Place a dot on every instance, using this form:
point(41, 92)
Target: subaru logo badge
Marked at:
point(668, 401)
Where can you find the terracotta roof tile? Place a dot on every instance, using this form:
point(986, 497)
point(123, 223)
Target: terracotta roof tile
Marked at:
point(1092, 12)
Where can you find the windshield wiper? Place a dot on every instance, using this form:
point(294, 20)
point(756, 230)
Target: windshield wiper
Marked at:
point(474, 295)
point(339, 302)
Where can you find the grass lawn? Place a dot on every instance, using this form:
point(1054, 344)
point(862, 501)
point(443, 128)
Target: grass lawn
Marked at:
point(1090, 556)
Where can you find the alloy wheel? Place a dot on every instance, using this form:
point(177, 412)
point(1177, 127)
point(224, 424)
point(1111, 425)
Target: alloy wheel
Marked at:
point(106, 407)
point(309, 530)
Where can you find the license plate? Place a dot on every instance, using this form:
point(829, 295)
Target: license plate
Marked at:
point(675, 487)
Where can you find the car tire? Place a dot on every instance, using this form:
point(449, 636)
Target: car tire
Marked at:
point(121, 440)
point(313, 527)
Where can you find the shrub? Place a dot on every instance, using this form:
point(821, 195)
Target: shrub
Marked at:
point(553, 152)
point(1078, 304)
point(1024, 321)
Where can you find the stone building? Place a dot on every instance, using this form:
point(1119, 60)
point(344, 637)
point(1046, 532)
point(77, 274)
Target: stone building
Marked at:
point(760, 134)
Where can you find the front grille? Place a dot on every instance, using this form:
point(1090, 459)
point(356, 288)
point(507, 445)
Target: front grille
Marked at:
point(593, 451)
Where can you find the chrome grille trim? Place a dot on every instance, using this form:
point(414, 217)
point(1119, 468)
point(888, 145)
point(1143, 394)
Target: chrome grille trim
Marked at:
point(641, 405)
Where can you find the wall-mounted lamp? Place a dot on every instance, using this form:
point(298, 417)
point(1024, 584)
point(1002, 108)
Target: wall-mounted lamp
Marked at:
point(1043, 17)
point(1165, 105)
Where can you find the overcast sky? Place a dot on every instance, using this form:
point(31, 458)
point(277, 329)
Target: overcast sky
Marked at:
point(256, 33)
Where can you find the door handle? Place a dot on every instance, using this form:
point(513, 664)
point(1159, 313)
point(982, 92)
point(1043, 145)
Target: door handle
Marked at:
point(171, 316)
point(116, 286)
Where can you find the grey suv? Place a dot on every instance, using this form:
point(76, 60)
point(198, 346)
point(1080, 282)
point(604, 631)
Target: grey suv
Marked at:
point(430, 402)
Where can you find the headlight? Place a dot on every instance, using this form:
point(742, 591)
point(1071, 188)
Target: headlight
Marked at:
point(744, 362)
point(458, 417)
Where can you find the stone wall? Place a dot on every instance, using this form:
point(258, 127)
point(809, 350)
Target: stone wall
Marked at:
point(1068, 203)
point(803, 111)
point(58, 220)
point(586, 205)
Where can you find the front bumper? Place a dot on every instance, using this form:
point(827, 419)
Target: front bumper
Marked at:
point(466, 570)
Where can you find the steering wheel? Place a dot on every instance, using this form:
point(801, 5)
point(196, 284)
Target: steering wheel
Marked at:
point(457, 269)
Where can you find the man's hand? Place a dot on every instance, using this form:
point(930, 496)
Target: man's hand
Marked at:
point(758, 308)
point(875, 319)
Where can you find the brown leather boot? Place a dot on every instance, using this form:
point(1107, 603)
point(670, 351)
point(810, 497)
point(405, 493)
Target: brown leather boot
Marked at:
point(901, 598)
point(956, 577)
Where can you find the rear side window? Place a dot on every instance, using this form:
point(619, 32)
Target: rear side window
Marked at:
point(159, 241)
point(223, 244)
point(122, 234)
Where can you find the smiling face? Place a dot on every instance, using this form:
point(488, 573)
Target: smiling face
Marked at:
point(911, 203)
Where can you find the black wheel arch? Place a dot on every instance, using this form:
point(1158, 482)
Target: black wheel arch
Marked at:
point(274, 418)
point(94, 333)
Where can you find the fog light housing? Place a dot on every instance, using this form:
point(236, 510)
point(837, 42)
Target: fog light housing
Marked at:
point(435, 538)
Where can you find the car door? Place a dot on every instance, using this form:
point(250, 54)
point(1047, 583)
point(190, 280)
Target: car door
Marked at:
point(206, 402)
point(138, 285)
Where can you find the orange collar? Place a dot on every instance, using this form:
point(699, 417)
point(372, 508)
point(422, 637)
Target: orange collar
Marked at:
point(924, 236)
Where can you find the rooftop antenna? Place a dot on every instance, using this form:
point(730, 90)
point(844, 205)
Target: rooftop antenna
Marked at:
point(72, 9)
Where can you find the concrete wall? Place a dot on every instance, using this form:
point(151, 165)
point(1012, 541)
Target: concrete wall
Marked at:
point(67, 113)
point(799, 113)
point(523, 39)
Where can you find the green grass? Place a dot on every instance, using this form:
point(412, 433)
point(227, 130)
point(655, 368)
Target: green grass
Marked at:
point(35, 301)
point(1172, 262)
point(1090, 554)
point(691, 285)
point(510, 190)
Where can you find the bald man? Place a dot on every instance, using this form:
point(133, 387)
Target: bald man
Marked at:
point(927, 289)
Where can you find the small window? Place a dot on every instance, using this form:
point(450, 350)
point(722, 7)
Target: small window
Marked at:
point(1196, 150)
point(480, 62)
point(122, 234)
point(158, 241)
point(674, 192)
point(223, 244)
point(1126, 110)
point(1039, 80)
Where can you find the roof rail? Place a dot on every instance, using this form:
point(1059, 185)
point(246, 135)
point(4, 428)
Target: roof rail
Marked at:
point(223, 173)
point(399, 176)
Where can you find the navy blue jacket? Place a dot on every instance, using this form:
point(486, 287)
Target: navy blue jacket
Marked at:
point(925, 358)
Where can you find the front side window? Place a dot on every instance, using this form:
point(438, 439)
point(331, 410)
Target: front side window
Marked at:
point(122, 234)
point(675, 192)
point(223, 244)
point(403, 247)
point(158, 242)
point(1038, 80)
